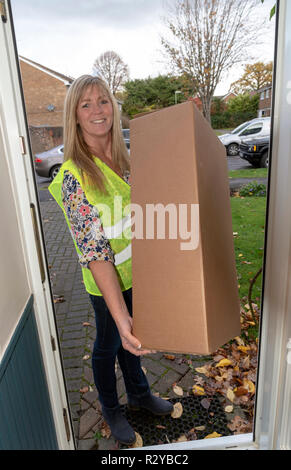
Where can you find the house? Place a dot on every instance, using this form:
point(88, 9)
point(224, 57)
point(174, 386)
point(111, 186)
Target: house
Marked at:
point(44, 92)
point(265, 101)
point(224, 99)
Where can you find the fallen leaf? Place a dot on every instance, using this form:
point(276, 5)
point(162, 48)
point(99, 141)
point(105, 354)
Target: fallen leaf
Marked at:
point(170, 357)
point(59, 299)
point(244, 349)
point(228, 409)
point(239, 340)
point(138, 442)
point(177, 411)
point(203, 370)
point(182, 439)
point(86, 357)
point(250, 386)
point(160, 426)
point(230, 395)
point(178, 390)
point(105, 430)
point(198, 391)
point(224, 363)
point(213, 435)
point(144, 370)
point(206, 403)
point(86, 323)
point(240, 391)
point(84, 390)
point(200, 428)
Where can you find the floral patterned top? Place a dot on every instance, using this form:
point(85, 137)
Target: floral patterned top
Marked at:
point(86, 227)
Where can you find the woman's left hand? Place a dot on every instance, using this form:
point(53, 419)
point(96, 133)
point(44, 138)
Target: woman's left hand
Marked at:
point(129, 341)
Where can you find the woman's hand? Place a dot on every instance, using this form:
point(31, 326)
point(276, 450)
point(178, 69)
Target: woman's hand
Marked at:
point(105, 277)
point(129, 341)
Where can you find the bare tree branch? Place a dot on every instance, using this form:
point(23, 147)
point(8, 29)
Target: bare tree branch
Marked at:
point(112, 69)
point(208, 37)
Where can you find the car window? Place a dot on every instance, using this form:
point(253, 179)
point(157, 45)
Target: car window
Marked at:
point(240, 128)
point(125, 133)
point(253, 129)
point(62, 149)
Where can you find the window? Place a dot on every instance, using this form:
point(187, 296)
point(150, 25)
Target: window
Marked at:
point(253, 129)
point(267, 93)
point(262, 96)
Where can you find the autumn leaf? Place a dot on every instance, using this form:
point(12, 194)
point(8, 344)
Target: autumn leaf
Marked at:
point(138, 442)
point(228, 409)
point(59, 299)
point(170, 357)
point(178, 390)
point(230, 395)
point(206, 403)
point(198, 391)
point(224, 363)
point(203, 370)
point(177, 410)
point(213, 435)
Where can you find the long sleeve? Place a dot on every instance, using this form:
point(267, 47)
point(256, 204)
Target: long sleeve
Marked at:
point(86, 227)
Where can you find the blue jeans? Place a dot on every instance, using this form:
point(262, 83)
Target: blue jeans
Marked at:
point(106, 347)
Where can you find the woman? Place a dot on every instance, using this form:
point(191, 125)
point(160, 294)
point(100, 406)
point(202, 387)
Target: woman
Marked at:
point(94, 176)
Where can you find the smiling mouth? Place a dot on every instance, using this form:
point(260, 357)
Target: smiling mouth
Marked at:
point(98, 121)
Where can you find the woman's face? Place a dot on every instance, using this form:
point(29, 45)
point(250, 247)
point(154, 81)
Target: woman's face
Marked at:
point(94, 114)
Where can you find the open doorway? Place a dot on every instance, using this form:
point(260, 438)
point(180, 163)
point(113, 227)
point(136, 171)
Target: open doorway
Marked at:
point(230, 374)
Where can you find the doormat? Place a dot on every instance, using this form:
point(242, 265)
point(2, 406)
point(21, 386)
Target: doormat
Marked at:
point(201, 416)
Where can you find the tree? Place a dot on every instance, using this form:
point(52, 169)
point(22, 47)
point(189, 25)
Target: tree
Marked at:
point(207, 38)
point(244, 103)
point(255, 77)
point(112, 69)
point(143, 95)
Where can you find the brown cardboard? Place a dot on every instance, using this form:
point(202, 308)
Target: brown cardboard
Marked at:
point(183, 301)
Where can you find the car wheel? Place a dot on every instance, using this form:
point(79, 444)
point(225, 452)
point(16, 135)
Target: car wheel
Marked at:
point(265, 160)
point(233, 150)
point(54, 171)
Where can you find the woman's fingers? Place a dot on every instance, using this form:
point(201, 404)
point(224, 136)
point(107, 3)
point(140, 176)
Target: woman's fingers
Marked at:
point(133, 345)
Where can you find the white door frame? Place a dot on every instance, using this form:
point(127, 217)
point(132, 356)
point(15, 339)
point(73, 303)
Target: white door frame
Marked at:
point(19, 160)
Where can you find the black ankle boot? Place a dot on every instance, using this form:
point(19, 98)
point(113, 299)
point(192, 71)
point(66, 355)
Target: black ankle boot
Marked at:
point(119, 426)
point(155, 405)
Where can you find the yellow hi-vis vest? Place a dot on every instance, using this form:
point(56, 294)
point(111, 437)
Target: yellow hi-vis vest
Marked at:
point(114, 212)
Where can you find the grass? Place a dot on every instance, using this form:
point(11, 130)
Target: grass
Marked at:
point(251, 173)
point(248, 217)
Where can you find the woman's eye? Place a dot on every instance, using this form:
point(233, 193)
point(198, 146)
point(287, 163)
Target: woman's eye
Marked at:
point(85, 105)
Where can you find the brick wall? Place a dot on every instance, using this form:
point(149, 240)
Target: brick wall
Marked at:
point(265, 103)
point(44, 138)
point(41, 90)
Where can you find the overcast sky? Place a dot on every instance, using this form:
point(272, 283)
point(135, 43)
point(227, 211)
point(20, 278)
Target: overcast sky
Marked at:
point(68, 35)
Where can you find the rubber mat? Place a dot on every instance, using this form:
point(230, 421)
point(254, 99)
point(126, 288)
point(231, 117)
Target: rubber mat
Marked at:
point(206, 415)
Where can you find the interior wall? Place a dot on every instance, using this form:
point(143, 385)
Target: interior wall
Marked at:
point(14, 286)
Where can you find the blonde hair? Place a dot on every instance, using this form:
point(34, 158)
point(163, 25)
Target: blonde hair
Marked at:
point(75, 147)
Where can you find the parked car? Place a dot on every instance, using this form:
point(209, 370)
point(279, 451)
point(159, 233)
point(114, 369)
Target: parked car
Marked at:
point(259, 127)
point(126, 137)
point(47, 164)
point(256, 151)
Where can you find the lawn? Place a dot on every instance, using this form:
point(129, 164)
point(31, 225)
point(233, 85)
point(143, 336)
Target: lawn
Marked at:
point(248, 216)
point(251, 173)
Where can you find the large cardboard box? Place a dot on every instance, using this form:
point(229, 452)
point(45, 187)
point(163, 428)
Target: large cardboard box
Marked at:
point(185, 292)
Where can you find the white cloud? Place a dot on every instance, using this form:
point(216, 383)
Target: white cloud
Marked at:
point(69, 35)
